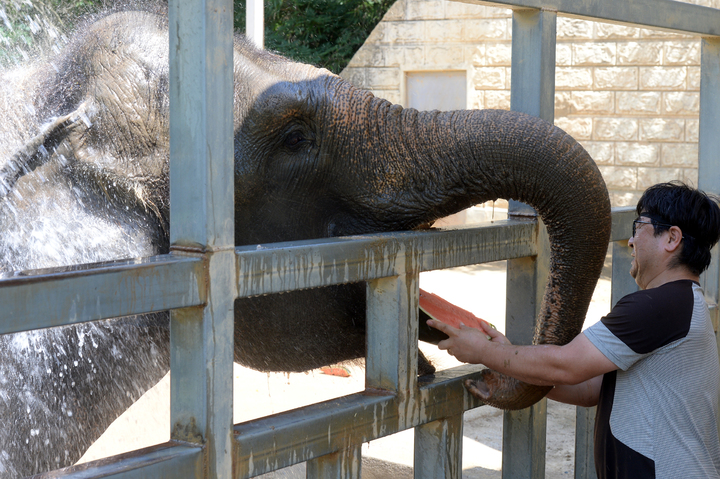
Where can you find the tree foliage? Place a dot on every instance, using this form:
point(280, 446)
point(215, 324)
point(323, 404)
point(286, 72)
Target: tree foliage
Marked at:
point(30, 27)
point(325, 33)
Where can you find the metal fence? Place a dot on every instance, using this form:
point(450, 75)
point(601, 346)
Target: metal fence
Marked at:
point(204, 273)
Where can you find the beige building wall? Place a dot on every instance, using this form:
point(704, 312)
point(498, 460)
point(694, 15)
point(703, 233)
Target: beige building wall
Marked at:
point(629, 95)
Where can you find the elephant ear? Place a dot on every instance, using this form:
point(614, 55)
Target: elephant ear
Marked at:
point(38, 150)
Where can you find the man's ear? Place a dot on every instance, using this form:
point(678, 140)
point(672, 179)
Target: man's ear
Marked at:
point(674, 239)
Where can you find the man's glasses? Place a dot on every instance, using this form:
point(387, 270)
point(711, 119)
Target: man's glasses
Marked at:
point(638, 221)
point(656, 223)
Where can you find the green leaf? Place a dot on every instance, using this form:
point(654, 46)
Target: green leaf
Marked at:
point(326, 33)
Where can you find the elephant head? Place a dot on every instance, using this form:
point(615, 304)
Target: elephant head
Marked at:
point(340, 161)
point(314, 157)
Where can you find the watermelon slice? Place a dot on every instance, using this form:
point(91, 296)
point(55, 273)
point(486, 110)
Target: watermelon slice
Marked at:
point(340, 371)
point(437, 308)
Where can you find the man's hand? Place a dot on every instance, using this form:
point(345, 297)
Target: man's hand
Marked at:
point(467, 344)
point(576, 368)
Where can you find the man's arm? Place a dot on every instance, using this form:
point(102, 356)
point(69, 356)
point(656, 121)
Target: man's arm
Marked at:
point(573, 365)
point(585, 394)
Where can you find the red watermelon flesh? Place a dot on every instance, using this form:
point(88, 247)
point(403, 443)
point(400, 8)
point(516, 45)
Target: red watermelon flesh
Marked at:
point(442, 310)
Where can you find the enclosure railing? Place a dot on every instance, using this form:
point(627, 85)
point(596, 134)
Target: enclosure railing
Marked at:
point(204, 273)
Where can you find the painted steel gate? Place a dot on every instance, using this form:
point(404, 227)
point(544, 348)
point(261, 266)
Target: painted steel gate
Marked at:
point(204, 273)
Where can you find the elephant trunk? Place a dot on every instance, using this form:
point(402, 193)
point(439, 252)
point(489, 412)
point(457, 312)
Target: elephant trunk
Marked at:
point(442, 162)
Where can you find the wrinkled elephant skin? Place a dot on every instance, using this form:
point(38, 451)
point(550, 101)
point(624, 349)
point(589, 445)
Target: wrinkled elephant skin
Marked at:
point(314, 157)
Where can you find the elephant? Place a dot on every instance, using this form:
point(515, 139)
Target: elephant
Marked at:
point(314, 157)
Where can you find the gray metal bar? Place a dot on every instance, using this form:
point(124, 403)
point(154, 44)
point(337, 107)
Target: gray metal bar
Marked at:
point(279, 441)
point(532, 92)
point(392, 335)
point(391, 362)
point(171, 281)
point(201, 124)
point(60, 296)
point(202, 222)
point(438, 449)
point(709, 161)
point(659, 14)
point(584, 443)
point(164, 461)
point(532, 84)
point(622, 219)
point(524, 433)
point(201, 362)
point(709, 153)
point(308, 264)
point(343, 464)
point(621, 283)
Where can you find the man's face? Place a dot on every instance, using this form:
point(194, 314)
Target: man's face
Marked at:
point(646, 253)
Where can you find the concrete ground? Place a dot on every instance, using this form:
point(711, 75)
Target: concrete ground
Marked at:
point(480, 289)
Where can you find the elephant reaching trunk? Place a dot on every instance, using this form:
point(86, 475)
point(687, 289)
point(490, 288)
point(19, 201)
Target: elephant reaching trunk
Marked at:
point(457, 159)
point(314, 157)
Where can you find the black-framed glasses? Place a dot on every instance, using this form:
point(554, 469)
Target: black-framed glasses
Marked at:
point(653, 222)
point(635, 223)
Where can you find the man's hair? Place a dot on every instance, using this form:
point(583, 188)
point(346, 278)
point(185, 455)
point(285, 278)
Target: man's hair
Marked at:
point(696, 213)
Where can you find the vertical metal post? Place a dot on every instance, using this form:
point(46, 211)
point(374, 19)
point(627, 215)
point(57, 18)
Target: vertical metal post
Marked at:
point(339, 465)
point(533, 92)
point(392, 334)
point(202, 223)
point(621, 282)
point(709, 148)
point(438, 449)
point(584, 433)
point(709, 159)
point(532, 88)
point(255, 22)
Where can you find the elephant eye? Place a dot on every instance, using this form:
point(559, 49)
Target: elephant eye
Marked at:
point(294, 139)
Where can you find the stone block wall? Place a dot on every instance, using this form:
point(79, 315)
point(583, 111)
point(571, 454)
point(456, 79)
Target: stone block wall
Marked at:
point(629, 95)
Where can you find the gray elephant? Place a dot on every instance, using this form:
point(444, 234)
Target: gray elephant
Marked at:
point(314, 157)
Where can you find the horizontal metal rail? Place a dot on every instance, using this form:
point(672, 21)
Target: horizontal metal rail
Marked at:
point(163, 461)
point(61, 296)
point(670, 15)
point(308, 264)
point(82, 293)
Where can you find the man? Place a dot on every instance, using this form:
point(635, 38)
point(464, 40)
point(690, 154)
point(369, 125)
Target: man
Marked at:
point(651, 365)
